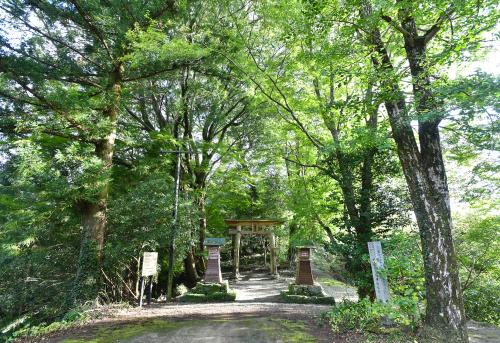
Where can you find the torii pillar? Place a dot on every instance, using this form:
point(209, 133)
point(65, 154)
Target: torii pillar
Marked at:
point(272, 244)
point(236, 249)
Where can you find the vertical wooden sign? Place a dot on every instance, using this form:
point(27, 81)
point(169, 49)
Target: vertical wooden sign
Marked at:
point(377, 263)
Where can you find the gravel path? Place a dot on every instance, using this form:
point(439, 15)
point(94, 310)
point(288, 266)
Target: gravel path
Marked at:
point(219, 310)
point(257, 306)
point(258, 287)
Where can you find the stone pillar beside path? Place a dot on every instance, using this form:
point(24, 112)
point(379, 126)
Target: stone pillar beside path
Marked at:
point(213, 272)
point(304, 271)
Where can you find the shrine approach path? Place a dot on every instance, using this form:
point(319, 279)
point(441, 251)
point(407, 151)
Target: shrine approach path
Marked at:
point(258, 315)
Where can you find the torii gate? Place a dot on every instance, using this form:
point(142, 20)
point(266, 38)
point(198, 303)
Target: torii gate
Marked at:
point(256, 227)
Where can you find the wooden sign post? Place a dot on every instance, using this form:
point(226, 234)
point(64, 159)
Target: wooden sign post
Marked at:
point(149, 262)
point(304, 273)
point(377, 263)
point(213, 272)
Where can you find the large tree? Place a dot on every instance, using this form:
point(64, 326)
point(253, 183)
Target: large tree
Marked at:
point(68, 73)
point(422, 158)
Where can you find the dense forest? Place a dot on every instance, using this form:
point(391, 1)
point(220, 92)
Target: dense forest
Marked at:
point(353, 121)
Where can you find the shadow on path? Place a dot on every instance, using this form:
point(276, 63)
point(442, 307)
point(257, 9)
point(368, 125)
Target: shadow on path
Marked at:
point(258, 287)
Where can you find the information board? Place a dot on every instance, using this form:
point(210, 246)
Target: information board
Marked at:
point(149, 263)
point(377, 262)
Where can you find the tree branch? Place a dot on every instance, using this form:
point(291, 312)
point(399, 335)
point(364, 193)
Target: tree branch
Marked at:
point(429, 34)
point(399, 28)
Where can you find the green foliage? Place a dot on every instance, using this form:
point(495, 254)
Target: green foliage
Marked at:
point(209, 288)
point(209, 292)
point(404, 266)
point(31, 329)
point(280, 106)
point(305, 299)
point(365, 316)
point(151, 50)
point(478, 248)
point(213, 297)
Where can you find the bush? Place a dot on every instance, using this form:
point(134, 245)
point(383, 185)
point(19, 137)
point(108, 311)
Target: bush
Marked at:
point(213, 297)
point(365, 316)
point(307, 290)
point(478, 247)
point(209, 288)
point(207, 292)
point(404, 265)
point(482, 301)
point(304, 299)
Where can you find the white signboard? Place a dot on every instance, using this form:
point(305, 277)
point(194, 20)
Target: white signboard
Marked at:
point(149, 263)
point(377, 262)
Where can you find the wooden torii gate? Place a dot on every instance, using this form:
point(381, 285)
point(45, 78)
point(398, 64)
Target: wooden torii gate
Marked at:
point(261, 227)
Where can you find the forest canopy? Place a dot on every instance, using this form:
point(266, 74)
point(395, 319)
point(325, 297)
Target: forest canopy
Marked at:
point(353, 121)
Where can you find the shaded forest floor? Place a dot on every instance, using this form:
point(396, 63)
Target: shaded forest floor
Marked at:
point(257, 315)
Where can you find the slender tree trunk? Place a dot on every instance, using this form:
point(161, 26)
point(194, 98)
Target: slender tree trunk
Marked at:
point(292, 229)
point(87, 280)
point(202, 230)
point(426, 179)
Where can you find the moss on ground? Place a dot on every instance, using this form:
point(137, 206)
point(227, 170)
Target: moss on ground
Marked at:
point(202, 298)
point(331, 282)
point(276, 328)
point(287, 331)
point(122, 332)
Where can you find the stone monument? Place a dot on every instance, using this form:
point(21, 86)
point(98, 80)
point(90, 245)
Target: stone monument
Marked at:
point(304, 273)
point(213, 273)
point(304, 290)
point(377, 262)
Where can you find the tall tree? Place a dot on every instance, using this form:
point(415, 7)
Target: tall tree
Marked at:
point(68, 72)
point(422, 160)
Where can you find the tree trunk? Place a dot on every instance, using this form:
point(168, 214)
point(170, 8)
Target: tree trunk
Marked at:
point(200, 260)
point(359, 214)
point(292, 229)
point(190, 269)
point(87, 280)
point(445, 308)
point(426, 179)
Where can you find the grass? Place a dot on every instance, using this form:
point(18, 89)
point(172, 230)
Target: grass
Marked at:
point(203, 298)
point(331, 282)
point(118, 333)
